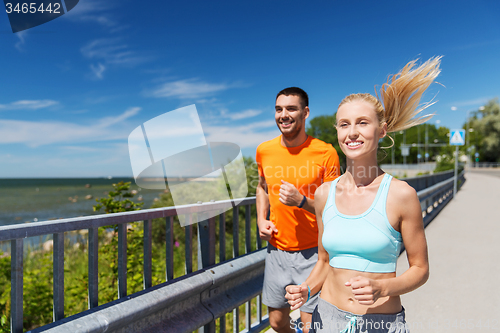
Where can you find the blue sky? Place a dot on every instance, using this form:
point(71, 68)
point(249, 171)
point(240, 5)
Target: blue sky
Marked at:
point(73, 89)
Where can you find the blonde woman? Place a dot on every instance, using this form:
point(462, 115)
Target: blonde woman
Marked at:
point(365, 216)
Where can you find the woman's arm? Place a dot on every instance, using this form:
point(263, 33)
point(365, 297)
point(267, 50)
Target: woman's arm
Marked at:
point(297, 295)
point(407, 205)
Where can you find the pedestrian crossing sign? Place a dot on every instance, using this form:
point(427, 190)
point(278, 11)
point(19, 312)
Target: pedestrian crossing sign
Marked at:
point(457, 137)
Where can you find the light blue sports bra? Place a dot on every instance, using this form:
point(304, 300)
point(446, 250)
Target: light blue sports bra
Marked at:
point(365, 242)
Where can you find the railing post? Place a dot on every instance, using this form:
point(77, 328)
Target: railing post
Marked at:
point(169, 248)
point(58, 279)
point(206, 243)
point(206, 256)
point(248, 249)
point(122, 260)
point(259, 307)
point(188, 229)
point(236, 320)
point(248, 315)
point(147, 240)
point(93, 268)
point(222, 257)
point(16, 283)
point(222, 237)
point(248, 229)
point(259, 241)
point(236, 234)
point(236, 253)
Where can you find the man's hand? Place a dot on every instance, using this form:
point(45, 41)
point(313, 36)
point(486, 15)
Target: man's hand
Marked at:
point(289, 195)
point(266, 229)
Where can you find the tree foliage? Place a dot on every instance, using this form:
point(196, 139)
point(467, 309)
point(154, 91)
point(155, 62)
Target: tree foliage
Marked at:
point(322, 127)
point(485, 136)
point(118, 200)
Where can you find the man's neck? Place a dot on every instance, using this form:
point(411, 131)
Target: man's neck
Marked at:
point(295, 141)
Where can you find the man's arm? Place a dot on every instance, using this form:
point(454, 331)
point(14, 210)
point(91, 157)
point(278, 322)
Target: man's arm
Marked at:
point(266, 227)
point(290, 196)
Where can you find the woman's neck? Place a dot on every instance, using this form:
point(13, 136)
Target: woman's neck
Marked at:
point(363, 173)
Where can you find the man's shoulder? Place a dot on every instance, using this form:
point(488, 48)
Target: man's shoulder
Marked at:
point(322, 146)
point(270, 144)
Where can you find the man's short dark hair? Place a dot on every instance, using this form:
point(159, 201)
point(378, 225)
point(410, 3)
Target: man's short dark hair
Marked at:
point(296, 92)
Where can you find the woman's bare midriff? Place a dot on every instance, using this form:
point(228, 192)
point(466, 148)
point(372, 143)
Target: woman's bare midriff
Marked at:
point(335, 292)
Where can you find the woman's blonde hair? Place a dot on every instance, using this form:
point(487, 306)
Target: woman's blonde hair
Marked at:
point(398, 104)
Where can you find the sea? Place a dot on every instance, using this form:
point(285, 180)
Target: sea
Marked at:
point(30, 200)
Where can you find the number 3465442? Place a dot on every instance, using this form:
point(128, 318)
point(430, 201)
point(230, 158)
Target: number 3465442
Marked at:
point(33, 8)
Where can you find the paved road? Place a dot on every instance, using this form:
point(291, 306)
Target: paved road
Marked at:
point(487, 171)
point(463, 292)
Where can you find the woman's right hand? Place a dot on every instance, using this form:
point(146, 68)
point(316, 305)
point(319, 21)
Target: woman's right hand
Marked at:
point(296, 295)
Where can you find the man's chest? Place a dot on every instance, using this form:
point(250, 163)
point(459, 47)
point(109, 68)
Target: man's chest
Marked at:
point(297, 170)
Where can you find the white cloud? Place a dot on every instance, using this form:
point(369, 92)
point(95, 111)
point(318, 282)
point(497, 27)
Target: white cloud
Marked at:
point(22, 39)
point(242, 114)
point(28, 104)
point(35, 134)
point(98, 70)
point(471, 102)
point(92, 11)
point(108, 121)
point(188, 89)
point(112, 51)
point(481, 44)
point(246, 136)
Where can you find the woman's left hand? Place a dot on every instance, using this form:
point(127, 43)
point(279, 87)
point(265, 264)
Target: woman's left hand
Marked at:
point(366, 291)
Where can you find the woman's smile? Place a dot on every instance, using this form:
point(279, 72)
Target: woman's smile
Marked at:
point(354, 144)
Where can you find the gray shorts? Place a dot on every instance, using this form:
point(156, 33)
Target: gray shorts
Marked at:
point(284, 268)
point(328, 318)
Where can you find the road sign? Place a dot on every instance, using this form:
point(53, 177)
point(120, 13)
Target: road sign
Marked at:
point(405, 151)
point(457, 137)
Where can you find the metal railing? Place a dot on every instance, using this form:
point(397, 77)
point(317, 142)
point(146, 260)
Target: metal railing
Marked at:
point(422, 182)
point(485, 165)
point(184, 304)
point(206, 248)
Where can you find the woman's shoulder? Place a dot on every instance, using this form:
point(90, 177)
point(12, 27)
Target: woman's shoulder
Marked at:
point(401, 190)
point(323, 190)
point(321, 194)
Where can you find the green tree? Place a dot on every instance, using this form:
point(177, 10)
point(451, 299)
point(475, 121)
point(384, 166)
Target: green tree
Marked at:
point(323, 128)
point(117, 201)
point(485, 136)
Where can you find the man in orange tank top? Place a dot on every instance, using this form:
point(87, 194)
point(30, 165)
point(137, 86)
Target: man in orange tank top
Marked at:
point(291, 167)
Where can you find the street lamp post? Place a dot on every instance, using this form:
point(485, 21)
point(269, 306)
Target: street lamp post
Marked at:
point(467, 141)
point(426, 143)
point(418, 144)
point(392, 152)
point(404, 142)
